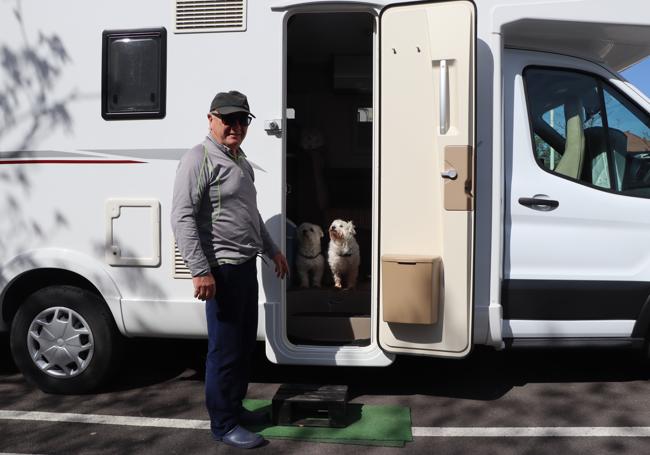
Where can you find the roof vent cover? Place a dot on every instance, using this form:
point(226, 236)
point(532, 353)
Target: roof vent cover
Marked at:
point(196, 16)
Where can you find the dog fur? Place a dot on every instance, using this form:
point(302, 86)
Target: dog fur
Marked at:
point(310, 263)
point(343, 254)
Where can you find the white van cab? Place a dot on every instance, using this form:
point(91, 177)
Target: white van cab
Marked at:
point(494, 163)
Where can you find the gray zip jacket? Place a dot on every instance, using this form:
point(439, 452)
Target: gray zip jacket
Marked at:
point(214, 209)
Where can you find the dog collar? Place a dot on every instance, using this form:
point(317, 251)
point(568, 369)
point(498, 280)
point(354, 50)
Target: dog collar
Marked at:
point(344, 255)
point(309, 257)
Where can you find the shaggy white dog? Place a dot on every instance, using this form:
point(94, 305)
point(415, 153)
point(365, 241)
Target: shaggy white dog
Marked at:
point(343, 254)
point(310, 261)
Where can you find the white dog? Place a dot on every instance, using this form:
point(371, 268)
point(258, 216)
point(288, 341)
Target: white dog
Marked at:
point(343, 254)
point(310, 261)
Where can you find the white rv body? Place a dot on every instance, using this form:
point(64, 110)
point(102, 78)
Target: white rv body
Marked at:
point(87, 200)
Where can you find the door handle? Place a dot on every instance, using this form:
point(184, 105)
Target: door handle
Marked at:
point(537, 203)
point(450, 174)
point(444, 97)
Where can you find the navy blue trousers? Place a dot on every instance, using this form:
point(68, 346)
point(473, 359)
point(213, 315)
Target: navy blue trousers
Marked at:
point(232, 332)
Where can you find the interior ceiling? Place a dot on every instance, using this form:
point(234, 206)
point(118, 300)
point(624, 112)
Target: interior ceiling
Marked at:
point(311, 35)
point(615, 45)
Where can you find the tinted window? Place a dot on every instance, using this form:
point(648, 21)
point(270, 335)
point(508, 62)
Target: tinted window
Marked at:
point(133, 74)
point(585, 130)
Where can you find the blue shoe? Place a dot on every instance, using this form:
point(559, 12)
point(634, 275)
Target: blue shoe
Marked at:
point(241, 438)
point(247, 417)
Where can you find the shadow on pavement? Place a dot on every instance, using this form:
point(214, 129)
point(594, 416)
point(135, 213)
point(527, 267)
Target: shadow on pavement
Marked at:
point(150, 361)
point(485, 374)
point(7, 365)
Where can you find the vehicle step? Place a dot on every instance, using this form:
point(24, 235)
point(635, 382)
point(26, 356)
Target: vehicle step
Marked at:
point(310, 405)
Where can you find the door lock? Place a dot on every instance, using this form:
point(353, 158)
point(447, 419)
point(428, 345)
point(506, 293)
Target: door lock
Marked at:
point(450, 174)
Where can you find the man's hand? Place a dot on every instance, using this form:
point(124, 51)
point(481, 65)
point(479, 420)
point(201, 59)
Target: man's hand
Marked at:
point(281, 265)
point(204, 286)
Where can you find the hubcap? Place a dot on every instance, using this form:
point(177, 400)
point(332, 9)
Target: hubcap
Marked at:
point(60, 342)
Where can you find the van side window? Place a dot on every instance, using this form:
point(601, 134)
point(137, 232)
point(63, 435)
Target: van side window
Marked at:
point(134, 74)
point(585, 130)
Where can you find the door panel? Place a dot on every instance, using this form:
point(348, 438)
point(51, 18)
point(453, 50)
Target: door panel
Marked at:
point(426, 188)
point(586, 258)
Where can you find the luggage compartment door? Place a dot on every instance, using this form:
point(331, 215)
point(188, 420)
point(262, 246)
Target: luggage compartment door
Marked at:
point(426, 188)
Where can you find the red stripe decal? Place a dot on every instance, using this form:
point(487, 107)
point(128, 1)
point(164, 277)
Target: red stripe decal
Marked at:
point(70, 162)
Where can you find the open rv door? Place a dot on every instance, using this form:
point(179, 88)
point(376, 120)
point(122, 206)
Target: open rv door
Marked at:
point(427, 124)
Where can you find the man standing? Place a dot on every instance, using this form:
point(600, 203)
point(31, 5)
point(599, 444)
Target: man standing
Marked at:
point(219, 233)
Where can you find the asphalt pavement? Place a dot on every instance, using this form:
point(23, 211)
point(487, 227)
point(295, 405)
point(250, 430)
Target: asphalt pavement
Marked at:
point(457, 400)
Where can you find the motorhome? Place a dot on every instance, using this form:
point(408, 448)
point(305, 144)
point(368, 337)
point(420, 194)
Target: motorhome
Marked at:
point(494, 162)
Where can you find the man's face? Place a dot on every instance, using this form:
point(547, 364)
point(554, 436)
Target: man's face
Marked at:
point(229, 129)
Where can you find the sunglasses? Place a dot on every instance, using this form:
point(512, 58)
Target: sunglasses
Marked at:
point(242, 118)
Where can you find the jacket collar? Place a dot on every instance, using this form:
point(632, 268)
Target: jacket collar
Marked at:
point(225, 149)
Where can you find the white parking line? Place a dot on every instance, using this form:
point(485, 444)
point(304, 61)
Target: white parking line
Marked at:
point(106, 419)
point(531, 432)
point(436, 432)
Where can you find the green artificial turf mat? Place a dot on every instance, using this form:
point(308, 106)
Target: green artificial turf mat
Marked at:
point(368, 425)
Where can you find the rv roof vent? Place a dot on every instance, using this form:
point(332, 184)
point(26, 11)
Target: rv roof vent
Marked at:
point(194, 16)
point(180, 269)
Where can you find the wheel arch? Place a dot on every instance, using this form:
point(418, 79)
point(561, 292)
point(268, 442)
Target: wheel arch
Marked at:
point(34, 270)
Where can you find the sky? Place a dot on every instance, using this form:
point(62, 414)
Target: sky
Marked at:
point(639, 76)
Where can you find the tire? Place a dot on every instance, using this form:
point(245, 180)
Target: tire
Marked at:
point(64, 340)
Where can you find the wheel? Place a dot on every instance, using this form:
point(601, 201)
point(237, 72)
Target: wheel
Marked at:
point(64, 340)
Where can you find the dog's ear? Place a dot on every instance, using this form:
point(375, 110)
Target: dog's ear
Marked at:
point(352, 230)
point(320, 232)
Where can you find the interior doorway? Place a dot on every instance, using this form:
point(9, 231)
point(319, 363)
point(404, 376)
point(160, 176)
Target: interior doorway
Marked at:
point(329, 175)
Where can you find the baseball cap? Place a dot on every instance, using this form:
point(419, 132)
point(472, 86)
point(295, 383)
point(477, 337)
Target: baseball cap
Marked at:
point(229, 102)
